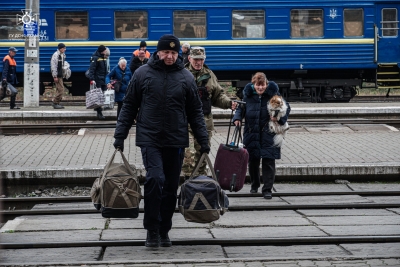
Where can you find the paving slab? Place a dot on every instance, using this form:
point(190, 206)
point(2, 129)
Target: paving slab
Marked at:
point(334, 199)
point(259, 218)
point(361, 230)
point(376, 186)
point(395, 210)
point(178, 221)
point(51, 236)
point(368, 127)
point(374, 249)
point(347, 212)
point(384, 199)
point(64, 206)
point(255, 201)
point(285, 251)
point(357, 220)
point(140, 234)
point(174, 252)
point(55, 222)
point(267, 232)
point(333, 128)
point(59, 255)
point(282, 187)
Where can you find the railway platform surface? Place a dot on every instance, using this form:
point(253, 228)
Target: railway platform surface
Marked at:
point(42, 114)
point(247, 224)
point(318, 151)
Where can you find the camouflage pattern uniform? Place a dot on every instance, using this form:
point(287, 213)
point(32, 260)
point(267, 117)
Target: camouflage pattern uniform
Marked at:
point(218, 99)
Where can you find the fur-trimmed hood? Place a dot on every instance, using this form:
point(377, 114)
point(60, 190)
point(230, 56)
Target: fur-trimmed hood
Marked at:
point(272, 89)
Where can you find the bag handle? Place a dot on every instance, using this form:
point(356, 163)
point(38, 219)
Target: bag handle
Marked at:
point(236, 131)
point(93, 86)
point(204, 156)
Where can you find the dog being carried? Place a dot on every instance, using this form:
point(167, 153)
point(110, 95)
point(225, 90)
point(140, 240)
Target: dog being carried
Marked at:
point(277, 108)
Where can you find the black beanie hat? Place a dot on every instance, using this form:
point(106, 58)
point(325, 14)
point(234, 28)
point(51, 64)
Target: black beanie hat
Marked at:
point(101, 48)
point(143, 44)
point(61, 45)
point(168, 42)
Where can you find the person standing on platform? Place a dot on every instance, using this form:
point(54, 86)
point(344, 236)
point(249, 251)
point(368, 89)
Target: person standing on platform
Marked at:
point(98, 71)
point(211, 94)
point(122, 74)
point(162, 97)
point(259, 141)
point(9, 74)
point(185, 52)
point(138, 61)
point(57, 63)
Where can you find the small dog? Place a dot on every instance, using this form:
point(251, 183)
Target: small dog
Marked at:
point(277, 108)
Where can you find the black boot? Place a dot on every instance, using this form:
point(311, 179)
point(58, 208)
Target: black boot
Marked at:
point(153, 238)
point(100, 114)
point(164, 240)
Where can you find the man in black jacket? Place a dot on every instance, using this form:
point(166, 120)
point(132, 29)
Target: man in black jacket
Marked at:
point(162, 97)
point(138, 61)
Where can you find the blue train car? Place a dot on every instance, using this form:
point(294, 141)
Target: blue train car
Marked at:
point(315, 50)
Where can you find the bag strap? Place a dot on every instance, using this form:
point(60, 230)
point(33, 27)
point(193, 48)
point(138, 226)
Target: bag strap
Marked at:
point(197, 167)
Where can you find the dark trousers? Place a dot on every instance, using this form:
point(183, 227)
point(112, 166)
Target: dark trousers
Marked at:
point(268, 174)
point(163, 168)
point(12, 101)
point(120, 103)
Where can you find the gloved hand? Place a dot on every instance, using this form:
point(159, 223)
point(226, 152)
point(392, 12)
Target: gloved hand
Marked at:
point(92, 82)
point(205, 149)
point(119, 143)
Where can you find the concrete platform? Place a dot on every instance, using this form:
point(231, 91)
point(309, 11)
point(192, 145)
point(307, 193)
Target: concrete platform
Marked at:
point(71, 114)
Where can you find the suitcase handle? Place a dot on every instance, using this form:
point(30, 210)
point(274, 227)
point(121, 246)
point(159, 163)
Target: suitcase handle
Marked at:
point(204, 156)
point(238, 129)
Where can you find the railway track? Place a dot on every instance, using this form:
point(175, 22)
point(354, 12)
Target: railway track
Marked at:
point(21, 206)
point(51, 128)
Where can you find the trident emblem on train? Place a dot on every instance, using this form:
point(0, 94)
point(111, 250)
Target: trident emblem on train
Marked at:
point(333, 13)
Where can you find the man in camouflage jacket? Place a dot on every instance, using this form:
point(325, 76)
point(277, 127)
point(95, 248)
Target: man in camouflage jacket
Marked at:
point(211, 94)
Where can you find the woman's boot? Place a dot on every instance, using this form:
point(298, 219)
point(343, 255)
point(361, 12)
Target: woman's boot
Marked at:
point(100, 114)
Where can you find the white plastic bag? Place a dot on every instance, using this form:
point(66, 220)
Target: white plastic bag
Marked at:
point(109, 96)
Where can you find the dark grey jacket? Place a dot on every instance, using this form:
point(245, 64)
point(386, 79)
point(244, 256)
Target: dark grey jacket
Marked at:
point(163, 100)
point(257, 138)
point(98, 69)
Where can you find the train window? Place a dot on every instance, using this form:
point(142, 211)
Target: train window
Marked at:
point(248, 24)
point(306, 23)
point(9, 27)
point(72, 25)
point(190, 24)
point(353, 22)
point(131, 24)
point(390, 22)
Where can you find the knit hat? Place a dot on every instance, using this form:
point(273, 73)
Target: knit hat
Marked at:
point(61, 45)
point(101, 48)
point(143, 44)
point(168, 42)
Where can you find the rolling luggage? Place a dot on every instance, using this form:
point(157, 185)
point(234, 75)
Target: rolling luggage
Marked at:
point(201, 199)
point(231, 162)
point(117, 192)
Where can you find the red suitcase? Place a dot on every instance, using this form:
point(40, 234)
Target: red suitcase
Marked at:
point(231, 163)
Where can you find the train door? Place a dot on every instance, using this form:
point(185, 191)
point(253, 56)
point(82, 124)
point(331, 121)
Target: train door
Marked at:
point(388, 41)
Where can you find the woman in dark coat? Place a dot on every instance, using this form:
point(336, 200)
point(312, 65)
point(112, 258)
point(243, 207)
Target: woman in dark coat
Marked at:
point(257, 137)
point(123, 74)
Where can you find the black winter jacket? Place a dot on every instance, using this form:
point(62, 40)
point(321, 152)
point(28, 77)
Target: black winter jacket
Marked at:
point(163, 100)
point(136, 63)
point(257, 138)
point(98, 69)
point(9, 72)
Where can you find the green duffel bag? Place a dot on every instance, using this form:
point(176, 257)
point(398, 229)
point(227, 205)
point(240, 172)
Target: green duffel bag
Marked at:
point(117, 192)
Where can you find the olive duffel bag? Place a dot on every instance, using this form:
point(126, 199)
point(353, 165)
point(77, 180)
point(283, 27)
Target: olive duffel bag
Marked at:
point(201, 199)
point(117, 192)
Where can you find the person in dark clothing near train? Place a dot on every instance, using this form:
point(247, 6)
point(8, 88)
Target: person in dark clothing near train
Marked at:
point(185, 52)
point(142, 47)
point(9, 75)
point(138, 61)
point(98, 71)
point(257, 138)
point(162, 97)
